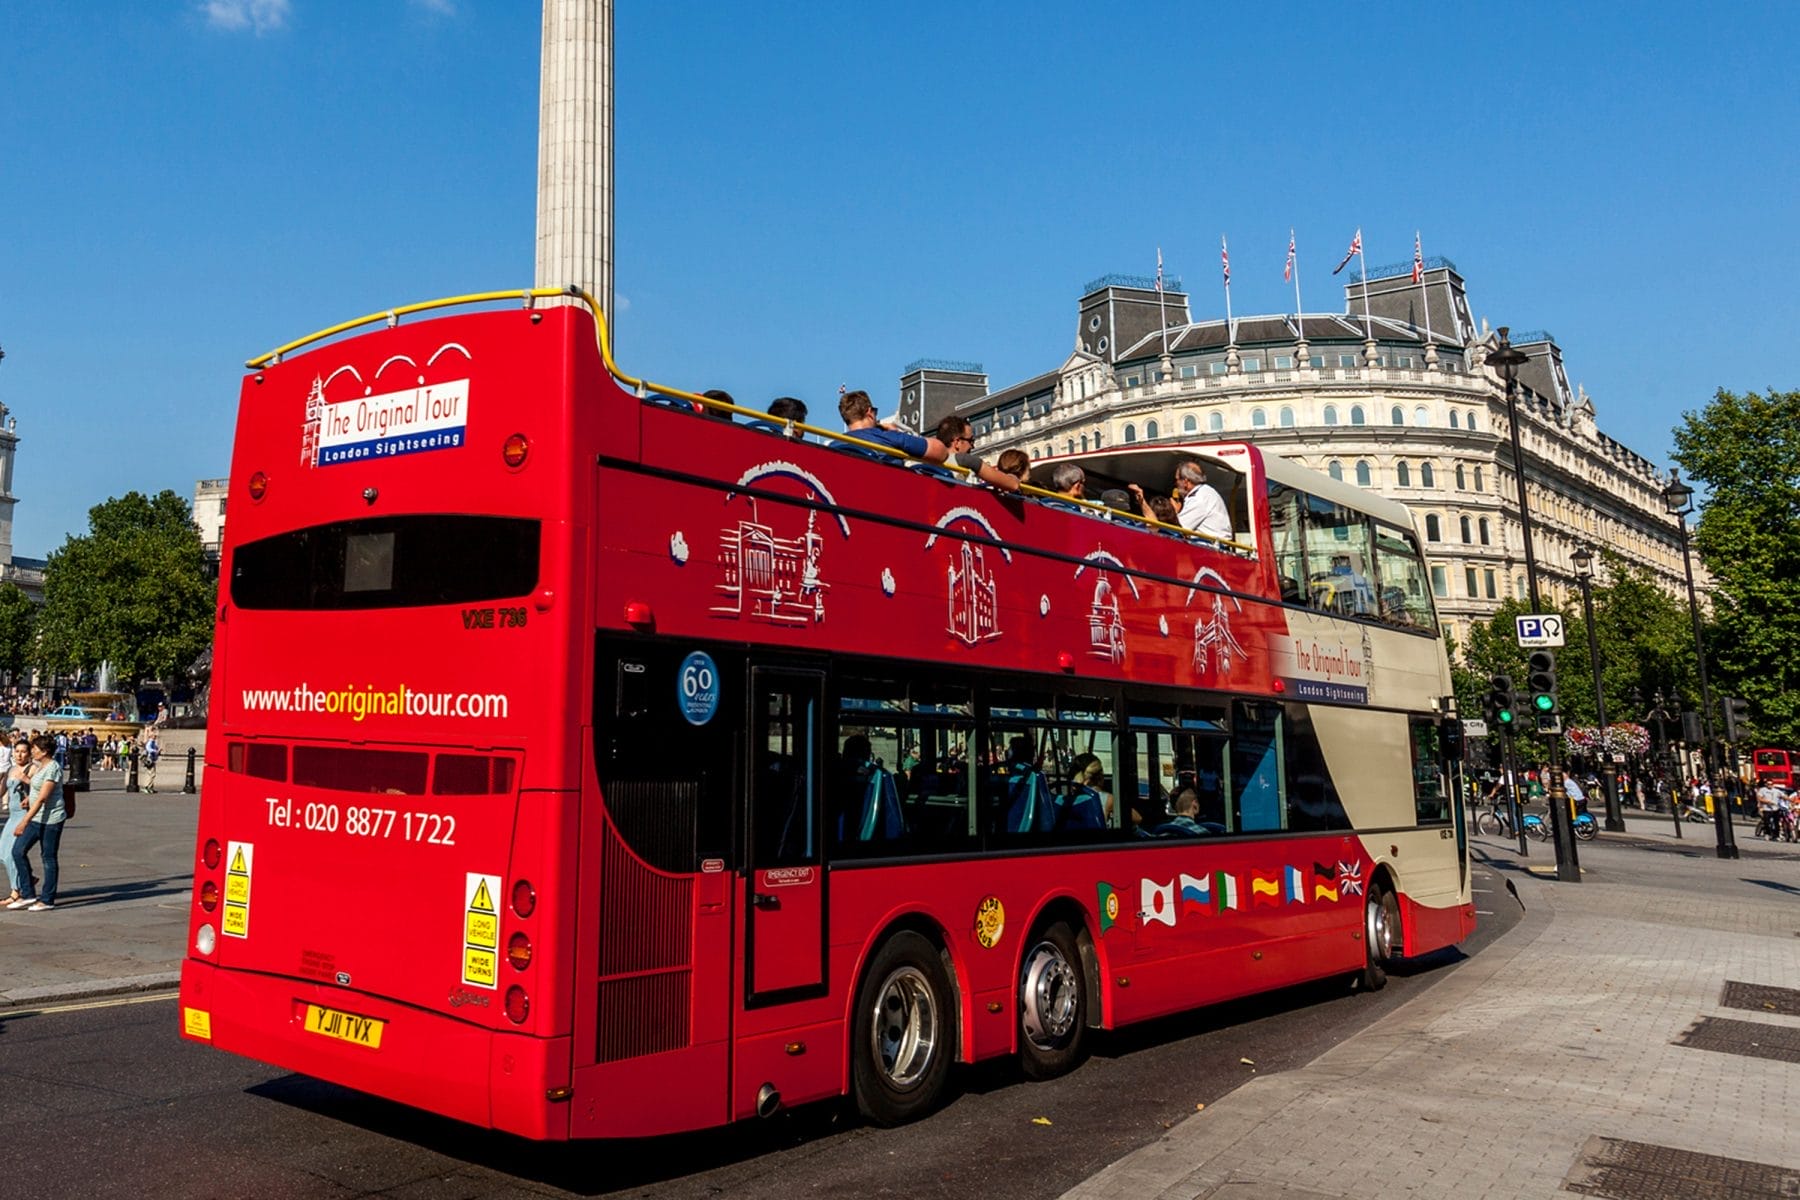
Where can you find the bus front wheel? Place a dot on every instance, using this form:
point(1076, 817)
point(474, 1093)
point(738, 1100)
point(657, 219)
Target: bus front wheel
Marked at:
point(1381, 929)
point(1052, 1004)
point(905, 1031)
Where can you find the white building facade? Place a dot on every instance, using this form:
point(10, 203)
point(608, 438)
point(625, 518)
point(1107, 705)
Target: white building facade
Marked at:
point(1375, 400)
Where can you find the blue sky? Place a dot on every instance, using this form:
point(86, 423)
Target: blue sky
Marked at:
point(815, 193)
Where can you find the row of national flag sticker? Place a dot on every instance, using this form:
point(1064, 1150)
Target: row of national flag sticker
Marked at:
point(1220, 892)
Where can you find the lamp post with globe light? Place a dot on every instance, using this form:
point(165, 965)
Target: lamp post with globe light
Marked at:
point(1678, 498)
point(1583, 558)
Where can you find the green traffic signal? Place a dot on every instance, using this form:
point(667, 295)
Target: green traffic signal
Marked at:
point(1544, 703)
point(1506, 716)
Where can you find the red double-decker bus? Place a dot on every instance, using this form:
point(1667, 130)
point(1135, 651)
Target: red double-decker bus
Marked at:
point(584, 765)
point(1772, 765)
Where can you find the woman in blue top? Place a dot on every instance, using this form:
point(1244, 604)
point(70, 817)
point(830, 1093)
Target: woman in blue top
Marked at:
point(12, 806)
point(42, 822)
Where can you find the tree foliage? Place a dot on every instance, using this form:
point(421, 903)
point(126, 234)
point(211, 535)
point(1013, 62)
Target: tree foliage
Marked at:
point(18, 623)
point(132, 591)
point(1746, 451)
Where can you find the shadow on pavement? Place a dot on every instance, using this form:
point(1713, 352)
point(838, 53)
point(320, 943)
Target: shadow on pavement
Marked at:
point(111, 893)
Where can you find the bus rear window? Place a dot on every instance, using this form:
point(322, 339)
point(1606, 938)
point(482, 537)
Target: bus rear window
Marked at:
point(346, 769)
point(388, 562)
point(472, 775)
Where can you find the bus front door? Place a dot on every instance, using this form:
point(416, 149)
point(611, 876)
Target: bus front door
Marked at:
point(784, 925)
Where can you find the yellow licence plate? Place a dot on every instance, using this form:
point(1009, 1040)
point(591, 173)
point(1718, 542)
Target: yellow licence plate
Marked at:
point(346, 1027)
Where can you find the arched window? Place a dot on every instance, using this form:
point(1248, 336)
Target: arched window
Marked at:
point(1287, 417)
point(1363, 475)
point(1356, 414)
point(1331, 414)
point(1426, 476)
point(1259, 419)
point(1433, 531)
point(1464, 523)
point(1478, 486)
point(1396, 415)
point(1216, 422)
point(1150, 431)
point(1403, 473)
point(1189, 425)
point(1071, 445)
point(1130, 434)
point(1335, 469)
point(1461, 481)
point(1484, 531)
point(1472, 424)
point(1455, 420)
point(1421, 417)
point(1084, 442)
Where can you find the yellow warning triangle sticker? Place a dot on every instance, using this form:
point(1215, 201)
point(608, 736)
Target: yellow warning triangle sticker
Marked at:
point(237, 863)
point(482, 901)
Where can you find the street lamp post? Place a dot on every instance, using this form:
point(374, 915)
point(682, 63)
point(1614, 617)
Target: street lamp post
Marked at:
point(1506, 359)
point(1678, 499)
point(1583, 558)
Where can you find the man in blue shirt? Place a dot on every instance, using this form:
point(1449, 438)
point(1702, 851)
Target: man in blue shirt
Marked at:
point(859, 422)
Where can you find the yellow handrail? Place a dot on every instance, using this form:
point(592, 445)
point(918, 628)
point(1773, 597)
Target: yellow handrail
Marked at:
point(529, 295)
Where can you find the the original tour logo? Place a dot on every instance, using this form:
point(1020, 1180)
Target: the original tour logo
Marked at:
point(412, 420)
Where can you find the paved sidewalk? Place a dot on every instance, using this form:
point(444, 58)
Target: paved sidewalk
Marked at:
point(120, 921)
point(1503, 1078)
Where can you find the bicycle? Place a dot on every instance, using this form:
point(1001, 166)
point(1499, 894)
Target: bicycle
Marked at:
point(1495, 820)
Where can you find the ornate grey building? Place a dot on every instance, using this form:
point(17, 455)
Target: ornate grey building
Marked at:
point(1400, 401)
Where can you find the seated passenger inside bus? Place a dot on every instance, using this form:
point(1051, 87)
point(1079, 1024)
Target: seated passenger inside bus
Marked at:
point(864, 796)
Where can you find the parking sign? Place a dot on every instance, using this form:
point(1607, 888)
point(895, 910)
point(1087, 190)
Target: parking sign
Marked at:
point(1540, 629)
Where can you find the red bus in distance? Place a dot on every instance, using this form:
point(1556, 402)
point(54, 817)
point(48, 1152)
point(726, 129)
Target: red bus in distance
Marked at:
point(1774, 766)
point(584, 765)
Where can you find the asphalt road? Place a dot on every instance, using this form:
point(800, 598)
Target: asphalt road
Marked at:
point(104, 1100)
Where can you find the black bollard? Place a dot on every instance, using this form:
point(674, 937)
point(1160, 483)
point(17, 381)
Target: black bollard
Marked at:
point(131, 784)
point(187, 786)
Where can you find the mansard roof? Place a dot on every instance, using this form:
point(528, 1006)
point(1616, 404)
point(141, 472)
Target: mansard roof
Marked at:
point(1265, 330)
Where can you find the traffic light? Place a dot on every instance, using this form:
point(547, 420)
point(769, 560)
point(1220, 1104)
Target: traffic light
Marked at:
point(1737, 718)
point(1500, 699)
point(1542, 682)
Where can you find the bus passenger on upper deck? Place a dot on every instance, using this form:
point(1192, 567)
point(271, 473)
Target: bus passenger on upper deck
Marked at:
point(1015, 463)
point(859, 420)
point(1154, 508)
point(786, 408)
point(956, 433)
point(1202, 510)
point(723, 414)
point(1071, 481)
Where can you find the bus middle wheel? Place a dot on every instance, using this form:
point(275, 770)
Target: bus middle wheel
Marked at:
point(904, 1034)
point(1053, 1004)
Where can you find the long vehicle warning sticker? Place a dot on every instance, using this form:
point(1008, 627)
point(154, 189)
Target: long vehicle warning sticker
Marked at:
point(481, 931)
point(238, 859)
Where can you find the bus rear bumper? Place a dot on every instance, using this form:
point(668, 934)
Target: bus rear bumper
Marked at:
point(1424, 928)
point(494, 1079)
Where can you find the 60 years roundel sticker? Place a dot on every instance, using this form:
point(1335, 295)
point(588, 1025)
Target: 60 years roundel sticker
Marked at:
point(990, 921)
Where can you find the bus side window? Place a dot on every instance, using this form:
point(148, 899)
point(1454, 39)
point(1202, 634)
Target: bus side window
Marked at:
point(1257, 786)
point(1431, 801)
point(1312, 798)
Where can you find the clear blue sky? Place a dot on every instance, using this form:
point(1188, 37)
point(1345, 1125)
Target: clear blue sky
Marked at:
point(813, 193)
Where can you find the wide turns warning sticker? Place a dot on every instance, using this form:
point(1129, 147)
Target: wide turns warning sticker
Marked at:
point(481, 930)
point(236, 920)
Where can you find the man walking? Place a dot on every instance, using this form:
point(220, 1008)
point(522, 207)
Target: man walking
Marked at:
point(152, 752)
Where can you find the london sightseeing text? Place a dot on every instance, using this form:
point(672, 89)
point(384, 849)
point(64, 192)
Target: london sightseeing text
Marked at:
point(679, 770)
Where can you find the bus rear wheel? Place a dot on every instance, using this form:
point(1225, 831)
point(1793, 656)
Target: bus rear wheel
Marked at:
point(1381, 929)
point(904, 1033)
point(1052, 1004)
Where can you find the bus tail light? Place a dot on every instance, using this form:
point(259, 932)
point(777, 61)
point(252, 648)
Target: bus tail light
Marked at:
point(524, 898)
point(518, 951)
point(258, 486)
point(515, 450)
point(518, 1004)
point(209, 895)
point(210, 854)
point(205, 940)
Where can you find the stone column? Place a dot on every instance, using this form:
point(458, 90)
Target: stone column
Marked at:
point(575, 149)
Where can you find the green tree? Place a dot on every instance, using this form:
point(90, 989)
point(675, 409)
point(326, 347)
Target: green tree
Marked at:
point(1746, 451)
point(132, 591)
point(18, 622)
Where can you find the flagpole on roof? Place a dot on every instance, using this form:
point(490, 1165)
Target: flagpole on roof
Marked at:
point(1161, 312)
point(1225, 264)
point(1363, 260)
point(1293, 268)
point(1419, 278)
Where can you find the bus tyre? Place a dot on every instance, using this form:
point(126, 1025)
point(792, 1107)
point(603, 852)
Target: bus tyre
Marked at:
point(903, 1036)
point(1053, 1004)
point(1381, 927)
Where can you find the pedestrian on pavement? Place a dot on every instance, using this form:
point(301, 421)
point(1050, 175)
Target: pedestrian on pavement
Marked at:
point(152, 752)
point(13, 802)
point(42, 822)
